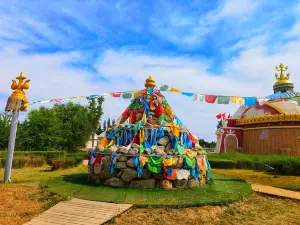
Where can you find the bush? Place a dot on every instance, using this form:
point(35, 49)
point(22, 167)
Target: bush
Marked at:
point(282, 164)
point(59, 159)
point(63, 163)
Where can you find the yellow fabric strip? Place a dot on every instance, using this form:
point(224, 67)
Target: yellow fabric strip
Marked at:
point(172, 89)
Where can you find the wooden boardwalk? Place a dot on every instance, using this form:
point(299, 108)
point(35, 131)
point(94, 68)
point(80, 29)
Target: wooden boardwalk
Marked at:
point(275, 191)
point(79, 212)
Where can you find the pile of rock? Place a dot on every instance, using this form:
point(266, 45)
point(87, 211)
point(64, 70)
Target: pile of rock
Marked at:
point(125, 175)
point(163, 148)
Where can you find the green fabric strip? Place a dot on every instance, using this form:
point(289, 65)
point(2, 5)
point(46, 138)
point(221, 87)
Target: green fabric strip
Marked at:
point(223, 99)
point(155, 164)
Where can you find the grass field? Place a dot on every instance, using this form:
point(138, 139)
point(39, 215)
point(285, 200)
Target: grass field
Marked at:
point(280, 181)
point(222, 191)
point(22, 200)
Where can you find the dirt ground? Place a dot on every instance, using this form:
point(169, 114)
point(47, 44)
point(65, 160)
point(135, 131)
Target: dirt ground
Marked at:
point(258, 209)
point(21, 202)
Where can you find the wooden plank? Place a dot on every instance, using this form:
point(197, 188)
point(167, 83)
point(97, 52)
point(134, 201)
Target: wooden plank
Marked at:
point(276, 191)
point(79, 212)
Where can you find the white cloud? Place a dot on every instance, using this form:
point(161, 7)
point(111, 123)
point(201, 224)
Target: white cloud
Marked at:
point(238, 8)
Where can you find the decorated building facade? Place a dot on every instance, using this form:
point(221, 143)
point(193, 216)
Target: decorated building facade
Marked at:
point(271, 126)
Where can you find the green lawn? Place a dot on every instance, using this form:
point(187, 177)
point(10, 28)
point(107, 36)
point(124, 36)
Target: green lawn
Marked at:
point(222, 191)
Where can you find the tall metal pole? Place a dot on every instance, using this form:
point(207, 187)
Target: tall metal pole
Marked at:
point(16, 102)
point(11, 146)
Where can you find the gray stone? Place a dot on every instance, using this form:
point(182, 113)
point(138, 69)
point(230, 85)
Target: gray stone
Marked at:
point(104, 171)
point(120, 165)
point(142, 184)
point(180, 183)
point(114, 182)
point(147, 151)
point(168, 147)
point(134, 151)
point(154, 147)
point(124, 150)
point(158, 176)
point(128, 175)
point(193, 183)
point(146, 174)
point(134, 145)
point(130, 163)
point(164, 141)
point(120, 174)
point(159, 152)
point(122, 158)
point(112, 149)
point(162, 148)
point(165, 184)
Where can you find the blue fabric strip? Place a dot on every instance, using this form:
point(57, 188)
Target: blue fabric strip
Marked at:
point(250, 101)
point(187, 94)
point(112, 163)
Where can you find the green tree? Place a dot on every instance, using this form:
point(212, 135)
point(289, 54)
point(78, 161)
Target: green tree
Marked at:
point(113, 122)
point(5, 119)
point(95, 113)
point(40, 131)
point(104, 125)
point(76, 125)
point(108, 123)
point(99, 130)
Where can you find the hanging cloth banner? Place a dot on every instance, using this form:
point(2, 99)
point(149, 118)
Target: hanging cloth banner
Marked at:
point(210, 98)
point(164, 88)
point(237, 100)
point(250, 101)
point(223, 99)
point(188, 94)
point(116, 94)
point(127, 95)
point(56, 100)
point(197, 97)
point(172, 89)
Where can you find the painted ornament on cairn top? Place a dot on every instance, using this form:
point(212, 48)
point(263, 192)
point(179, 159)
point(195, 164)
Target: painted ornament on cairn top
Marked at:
point(149, 147)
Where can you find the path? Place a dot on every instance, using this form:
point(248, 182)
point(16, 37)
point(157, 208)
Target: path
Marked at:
point(79, 212)
point(275, 191)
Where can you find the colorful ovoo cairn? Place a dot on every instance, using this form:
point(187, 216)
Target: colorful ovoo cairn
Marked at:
point(149, 148)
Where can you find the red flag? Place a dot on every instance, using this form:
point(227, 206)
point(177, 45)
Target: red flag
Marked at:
point(210, 98)
point(224, 115)
point(229, 115)
point(219, 116)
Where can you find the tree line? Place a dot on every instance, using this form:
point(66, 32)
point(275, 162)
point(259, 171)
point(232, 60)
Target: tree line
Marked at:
point(63, 127)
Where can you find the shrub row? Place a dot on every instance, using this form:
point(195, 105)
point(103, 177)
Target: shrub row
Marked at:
point(21, 162)
point(55, 159)
point(282, 164)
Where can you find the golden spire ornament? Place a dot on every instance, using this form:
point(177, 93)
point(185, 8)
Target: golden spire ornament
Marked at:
point(150, 82)
point(17, 100)
point(283, 83)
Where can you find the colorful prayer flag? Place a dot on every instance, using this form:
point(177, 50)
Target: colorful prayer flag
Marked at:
point(223, 99)
point(210, 98)
point(172, 89)
point(188, 94)
point(237, 100)
point(250, 101)
point(115, 94)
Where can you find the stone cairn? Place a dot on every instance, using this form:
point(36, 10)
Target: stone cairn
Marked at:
point(148, 129)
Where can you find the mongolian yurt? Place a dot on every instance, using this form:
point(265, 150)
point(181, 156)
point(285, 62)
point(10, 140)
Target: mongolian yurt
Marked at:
point(149, 147)
point(270, 126)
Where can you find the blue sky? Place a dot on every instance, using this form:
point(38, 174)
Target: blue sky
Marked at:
point(87, 47)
